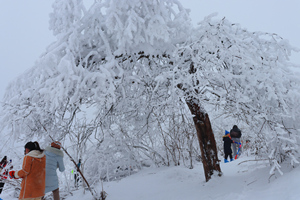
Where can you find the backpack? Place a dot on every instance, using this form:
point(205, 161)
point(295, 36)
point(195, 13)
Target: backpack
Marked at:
point(235, 134)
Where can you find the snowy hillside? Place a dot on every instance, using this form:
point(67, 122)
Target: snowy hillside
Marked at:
point(248, 180)
point(242, 179)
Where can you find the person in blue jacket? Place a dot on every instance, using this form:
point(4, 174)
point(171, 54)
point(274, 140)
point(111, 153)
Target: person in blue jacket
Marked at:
point(54, 160)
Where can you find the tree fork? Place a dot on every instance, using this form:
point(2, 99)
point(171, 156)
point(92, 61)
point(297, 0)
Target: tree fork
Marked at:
point(206, 139)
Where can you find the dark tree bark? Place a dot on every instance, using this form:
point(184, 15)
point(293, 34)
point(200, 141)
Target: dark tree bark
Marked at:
point(206, 139)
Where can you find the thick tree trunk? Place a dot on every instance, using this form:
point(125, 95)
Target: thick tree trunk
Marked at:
point(206, 139)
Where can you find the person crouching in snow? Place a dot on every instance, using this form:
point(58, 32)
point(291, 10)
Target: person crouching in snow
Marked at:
point(33, 172)
point(227, 147)
point(54, 160)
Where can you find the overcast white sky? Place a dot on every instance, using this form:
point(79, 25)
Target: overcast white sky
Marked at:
point(24, 33)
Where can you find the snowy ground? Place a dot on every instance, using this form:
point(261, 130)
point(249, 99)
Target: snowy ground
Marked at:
point(242, 179)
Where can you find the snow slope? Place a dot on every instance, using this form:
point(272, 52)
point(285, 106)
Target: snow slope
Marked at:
point(248, 180)
point(242, 179)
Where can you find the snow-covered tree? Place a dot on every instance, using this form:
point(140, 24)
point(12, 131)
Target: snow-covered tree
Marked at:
point(247, 77)
point(104, 62)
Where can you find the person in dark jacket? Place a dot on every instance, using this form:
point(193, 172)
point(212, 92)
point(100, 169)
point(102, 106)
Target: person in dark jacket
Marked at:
point(54, 160)
point(236, 135)
point(227, 147)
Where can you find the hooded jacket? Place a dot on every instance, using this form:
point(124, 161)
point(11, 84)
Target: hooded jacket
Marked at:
point(54, 160)
point(33, 174)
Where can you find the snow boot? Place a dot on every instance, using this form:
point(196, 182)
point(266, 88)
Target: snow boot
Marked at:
point(231, 159)
point(225, 160)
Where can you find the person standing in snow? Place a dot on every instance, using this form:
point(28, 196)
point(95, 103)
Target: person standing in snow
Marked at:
point(227, 146)
point(33, 172)
point(76, 174)
point(54, 160)
point(5, 166)
point(236, 135)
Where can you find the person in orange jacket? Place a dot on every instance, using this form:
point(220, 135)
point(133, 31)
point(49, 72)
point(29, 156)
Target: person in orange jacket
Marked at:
point(33, 173)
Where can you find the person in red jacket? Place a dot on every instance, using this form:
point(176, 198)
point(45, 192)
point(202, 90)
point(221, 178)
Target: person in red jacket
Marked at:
point(33, 173)
point(5, 166)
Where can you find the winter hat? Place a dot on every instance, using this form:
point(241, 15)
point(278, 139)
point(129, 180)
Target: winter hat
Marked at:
point(226, 132)
point(56, 144)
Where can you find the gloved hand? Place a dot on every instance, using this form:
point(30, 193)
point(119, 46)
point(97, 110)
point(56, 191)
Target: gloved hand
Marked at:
point(12, 174)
